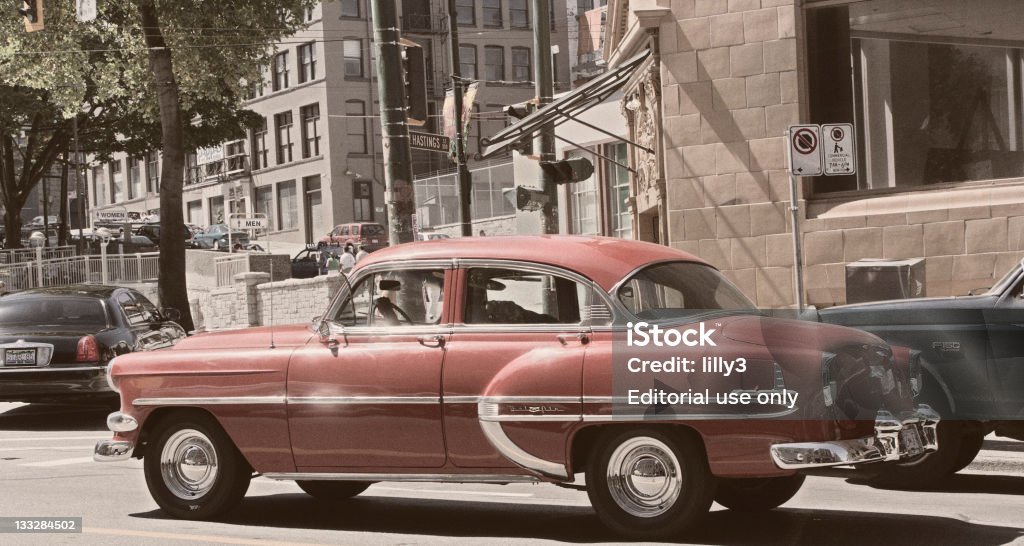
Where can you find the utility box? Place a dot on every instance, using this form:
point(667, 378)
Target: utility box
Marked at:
point(875, 280)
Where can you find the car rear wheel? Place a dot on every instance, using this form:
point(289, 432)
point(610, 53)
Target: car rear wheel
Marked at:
point(648, 484)
point(332, 490)
point(757, 494)
point(194, 471)
point(932, 468)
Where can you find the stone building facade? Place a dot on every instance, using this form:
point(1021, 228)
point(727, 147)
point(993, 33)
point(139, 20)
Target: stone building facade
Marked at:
point(934, 91)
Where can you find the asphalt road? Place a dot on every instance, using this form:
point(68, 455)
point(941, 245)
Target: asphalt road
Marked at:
point(46, 469)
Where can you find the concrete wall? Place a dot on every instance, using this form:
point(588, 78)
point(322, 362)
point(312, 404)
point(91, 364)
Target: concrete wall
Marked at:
point(248, 302)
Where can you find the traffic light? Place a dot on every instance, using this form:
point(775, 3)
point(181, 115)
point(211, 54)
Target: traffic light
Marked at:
point(32, 12)
point(414, 74)
point(526, 199)
point(568, 170)
point(520, 111)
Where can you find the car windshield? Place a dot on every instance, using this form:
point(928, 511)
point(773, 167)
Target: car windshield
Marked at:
point(52, 310)
point(680, 289)
point(371, 229)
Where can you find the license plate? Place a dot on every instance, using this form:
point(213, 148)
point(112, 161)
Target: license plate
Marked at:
point(20, 357)
point(910, 439)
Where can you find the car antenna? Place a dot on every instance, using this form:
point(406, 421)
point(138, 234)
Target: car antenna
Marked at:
point(271, 295)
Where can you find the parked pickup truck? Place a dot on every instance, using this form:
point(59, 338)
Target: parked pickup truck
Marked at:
point(972, 358)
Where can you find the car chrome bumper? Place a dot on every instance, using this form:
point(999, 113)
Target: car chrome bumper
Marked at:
point(912, 434)
point(108, 451)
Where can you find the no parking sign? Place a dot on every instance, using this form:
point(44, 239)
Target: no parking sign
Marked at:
point(805, 150)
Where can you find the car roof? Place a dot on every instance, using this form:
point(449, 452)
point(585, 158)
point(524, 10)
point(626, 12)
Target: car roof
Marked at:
point(605, 260)
point(78, 290)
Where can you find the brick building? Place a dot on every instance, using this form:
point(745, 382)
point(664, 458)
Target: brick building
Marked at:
point(933, 87)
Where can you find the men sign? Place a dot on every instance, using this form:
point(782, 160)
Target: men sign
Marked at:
point(248, 222)
point(804, 150)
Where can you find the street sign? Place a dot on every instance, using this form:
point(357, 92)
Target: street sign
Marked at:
point(804, 150)
point(248, 222)
point(111, 216)
point(838, 146)
point(86, 10)
point(429, 141)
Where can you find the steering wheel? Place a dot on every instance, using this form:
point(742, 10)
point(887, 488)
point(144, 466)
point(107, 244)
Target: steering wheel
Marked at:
point(390, 312)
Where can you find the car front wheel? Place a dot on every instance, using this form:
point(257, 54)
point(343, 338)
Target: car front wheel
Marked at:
point(194, 471)
point(757, 494)
point(648, 484)
point(331, 490)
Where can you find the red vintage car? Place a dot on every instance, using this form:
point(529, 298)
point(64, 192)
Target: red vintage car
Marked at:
point(518, 359)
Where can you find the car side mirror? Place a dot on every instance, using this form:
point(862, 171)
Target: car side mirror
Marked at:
point(170, 313)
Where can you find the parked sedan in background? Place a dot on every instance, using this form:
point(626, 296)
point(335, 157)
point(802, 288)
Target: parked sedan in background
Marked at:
point(55, 343)
point(972, 358)
point(469, 361)
point(216, 237)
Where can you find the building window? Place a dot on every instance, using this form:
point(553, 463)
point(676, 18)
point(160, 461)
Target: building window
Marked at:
point(264, 204)
point(492, 13)
point(309, 14)
point(310, 130)
point(99, 182)
point(467, 61)
point(519, 13)
point(307, 62)
point(355, 112)
point(350, 8)
point(283, 129)
point(280, 71)
point(259, 145)
point(466, 12)
point(134, 177)
point(192, 173)
point(620, 220)
point(583, 199)
point(195, 212)
point(521, 64)
point(288, 210)
point(153, 172)
point(352, 50)
point(494, 63)
point(362, 201)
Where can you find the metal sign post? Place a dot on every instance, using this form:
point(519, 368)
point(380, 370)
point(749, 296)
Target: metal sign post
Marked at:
point(804, 160)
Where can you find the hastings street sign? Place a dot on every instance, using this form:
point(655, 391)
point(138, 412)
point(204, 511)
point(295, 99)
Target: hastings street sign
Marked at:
point(429, 141)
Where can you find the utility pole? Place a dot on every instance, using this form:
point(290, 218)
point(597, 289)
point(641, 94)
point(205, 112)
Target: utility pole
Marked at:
point(544, 85)
point(398, 193)
point(465, 178)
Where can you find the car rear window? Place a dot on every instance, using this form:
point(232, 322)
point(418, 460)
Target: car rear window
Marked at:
point(371, 229)
point(52, 310)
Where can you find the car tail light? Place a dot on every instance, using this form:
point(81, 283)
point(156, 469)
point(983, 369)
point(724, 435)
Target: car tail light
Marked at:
point(88, 350)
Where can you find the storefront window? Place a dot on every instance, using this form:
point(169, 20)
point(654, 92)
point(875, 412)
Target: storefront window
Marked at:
point(620, 221)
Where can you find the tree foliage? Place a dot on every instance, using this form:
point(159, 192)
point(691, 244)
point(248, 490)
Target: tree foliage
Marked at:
point(103, 73)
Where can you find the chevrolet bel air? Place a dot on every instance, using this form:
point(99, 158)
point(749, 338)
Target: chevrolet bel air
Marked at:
point(501, 360)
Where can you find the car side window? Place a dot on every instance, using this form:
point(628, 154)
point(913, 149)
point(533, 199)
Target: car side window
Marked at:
point(344, 230)
point(149, 310)
point(132, 310)
point(405, 297)
point(509, 296)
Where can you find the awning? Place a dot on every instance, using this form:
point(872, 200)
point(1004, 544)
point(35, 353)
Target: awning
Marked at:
point(566, 107)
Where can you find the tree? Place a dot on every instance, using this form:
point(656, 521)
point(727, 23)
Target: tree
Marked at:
point(177, 71)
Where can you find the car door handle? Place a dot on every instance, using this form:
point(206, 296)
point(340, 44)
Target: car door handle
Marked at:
point(581, 337)
point(431, 341)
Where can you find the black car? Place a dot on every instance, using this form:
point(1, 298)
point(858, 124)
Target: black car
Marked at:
point(972, 360)
point(312, 261)
point(55, 343)
point(152, 231)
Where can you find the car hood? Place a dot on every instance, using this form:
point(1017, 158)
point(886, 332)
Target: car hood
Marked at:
point(948, 310)
point(248, 338)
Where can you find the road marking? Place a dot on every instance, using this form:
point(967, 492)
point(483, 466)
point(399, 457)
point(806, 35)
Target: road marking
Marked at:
point(453, 492)
point(190, 538)
point(47, 448)
point(60, 462)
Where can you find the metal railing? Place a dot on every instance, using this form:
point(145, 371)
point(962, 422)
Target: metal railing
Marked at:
point(20, 255)
point(94, 269)
point(227, 267)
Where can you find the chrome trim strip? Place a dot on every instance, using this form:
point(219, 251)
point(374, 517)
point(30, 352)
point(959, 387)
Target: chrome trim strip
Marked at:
point(532, 418)
point(592, 418)
point(4, 369)
point(529, 399)
point(211, 401)
point(461, 399)
point(110, 451)
point(495, 434)
point(386, 477)
point(346, 400)
point(520, 329)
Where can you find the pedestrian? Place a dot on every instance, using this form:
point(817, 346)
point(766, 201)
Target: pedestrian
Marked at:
point(483, 233)
point(362, 253)
point(322, 262)
point(348, 260)
point(333, 265)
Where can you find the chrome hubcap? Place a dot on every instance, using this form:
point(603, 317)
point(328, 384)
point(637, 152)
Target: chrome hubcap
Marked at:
point(644, 477)
point(188, 464)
